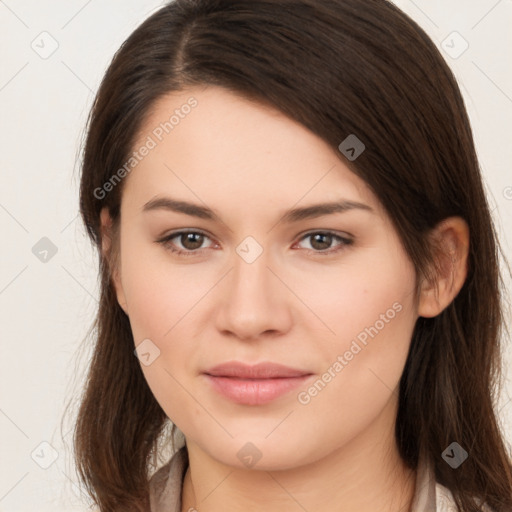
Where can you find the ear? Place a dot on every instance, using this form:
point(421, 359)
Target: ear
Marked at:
point(106, 246)
point(452, 241)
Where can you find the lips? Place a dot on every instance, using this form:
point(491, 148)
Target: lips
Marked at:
point(254, 384)
point(264, 370)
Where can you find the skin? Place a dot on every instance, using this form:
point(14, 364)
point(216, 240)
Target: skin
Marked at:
point(291, 305)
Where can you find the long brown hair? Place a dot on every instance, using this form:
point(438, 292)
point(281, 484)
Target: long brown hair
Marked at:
point(339, 67)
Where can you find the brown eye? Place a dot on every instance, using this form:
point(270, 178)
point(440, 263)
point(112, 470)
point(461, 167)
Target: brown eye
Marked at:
point(321, 242)
point(191, 241)
point(188, 243)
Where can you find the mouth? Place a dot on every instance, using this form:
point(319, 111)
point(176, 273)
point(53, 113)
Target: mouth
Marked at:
point(256, 384)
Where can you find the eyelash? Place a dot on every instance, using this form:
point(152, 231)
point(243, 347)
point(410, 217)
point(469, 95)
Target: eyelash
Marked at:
point(165, 241)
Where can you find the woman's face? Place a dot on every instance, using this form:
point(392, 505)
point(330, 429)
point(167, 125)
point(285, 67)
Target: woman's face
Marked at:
point(331, 295)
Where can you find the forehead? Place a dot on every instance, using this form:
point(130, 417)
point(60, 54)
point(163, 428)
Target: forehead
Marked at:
point(208, 143)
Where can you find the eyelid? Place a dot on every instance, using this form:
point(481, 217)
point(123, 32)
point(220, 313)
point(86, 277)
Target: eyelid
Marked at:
point(342, 234)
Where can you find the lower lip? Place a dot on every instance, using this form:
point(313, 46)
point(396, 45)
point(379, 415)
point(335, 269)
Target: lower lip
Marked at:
point(254, 391)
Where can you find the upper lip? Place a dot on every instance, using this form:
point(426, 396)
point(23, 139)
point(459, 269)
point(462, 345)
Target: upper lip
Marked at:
point(265, 370)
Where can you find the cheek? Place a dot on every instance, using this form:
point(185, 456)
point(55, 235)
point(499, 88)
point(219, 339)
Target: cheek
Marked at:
point(159, 301)
point(363, 364)
point(163, 301)
point(368, 309)
point(158, 293)
point(344, 298)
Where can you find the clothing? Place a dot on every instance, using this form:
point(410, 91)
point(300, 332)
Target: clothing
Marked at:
point(166, 485)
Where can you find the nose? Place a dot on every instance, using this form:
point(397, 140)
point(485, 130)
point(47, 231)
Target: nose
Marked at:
point(253, 300)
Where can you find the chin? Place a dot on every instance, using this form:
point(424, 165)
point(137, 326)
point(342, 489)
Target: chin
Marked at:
point(259, 453)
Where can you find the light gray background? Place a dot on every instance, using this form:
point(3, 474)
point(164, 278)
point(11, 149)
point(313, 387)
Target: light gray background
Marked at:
point(47, 307)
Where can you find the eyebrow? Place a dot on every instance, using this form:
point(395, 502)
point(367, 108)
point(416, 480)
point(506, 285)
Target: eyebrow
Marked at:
point(290, 216)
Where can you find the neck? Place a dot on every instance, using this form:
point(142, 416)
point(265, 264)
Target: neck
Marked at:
point(366, 474)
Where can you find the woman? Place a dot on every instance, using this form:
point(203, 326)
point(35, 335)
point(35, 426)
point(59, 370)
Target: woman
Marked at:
point(299, 268)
